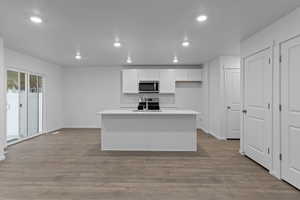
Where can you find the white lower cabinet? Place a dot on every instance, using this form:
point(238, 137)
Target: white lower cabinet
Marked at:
point(130, 81)
point(167, 81)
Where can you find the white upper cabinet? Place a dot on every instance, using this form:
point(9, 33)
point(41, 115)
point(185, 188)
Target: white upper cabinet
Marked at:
point(148, 75)
point(181, 75)
point(130, 81)
point(167, 81)
point(194, 75)
point(188, 75)
point(166, 77)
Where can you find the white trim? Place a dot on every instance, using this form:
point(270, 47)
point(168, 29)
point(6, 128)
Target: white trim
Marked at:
point(275, 174)
point(81, 126)
point(53, 130)
point(203, 129)
point(31, 137)
point(2, 157)
point(242, 95)
point(24, 139)
point(216, 136)
point(241, 152)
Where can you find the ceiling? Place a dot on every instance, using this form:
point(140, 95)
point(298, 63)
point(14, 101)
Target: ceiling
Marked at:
point(151, 31)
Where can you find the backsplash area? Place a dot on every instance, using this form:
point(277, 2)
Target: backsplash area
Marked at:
point(187, 96)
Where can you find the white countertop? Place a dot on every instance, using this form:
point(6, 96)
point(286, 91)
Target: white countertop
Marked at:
point(135, 112)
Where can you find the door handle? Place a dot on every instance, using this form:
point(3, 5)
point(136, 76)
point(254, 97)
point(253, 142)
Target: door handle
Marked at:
point(228, 107)
point(244, 111)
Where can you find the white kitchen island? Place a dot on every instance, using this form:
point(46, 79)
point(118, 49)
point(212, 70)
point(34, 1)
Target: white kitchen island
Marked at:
point(166, 130)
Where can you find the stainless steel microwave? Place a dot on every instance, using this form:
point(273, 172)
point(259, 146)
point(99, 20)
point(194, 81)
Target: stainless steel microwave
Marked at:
point(149, 87)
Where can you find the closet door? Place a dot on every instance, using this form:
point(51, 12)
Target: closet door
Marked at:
point(257, 105)
point(233, 103)
point(290, 99)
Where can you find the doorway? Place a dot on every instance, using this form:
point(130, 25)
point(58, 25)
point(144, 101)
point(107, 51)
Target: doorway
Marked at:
point(24, 105)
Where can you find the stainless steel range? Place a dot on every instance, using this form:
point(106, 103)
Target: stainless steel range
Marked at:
point(148, 104)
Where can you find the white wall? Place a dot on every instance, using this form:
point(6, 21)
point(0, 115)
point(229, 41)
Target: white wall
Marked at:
point(88, 90)
point(2, 102)
point(53, 85)
point(91, 89)
point(214, 97)
point(282, 30)
point(216, 103)
point(204, 99)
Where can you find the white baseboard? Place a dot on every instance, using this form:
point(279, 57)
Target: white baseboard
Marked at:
point(203, 129)
point(241, 152)
point(24, 139)
point(2, 157)
point(216, 136)
point(75, 126)
point(275, 174)
point(52, 130)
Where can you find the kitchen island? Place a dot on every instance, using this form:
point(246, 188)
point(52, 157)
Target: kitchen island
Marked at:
point(166, 130)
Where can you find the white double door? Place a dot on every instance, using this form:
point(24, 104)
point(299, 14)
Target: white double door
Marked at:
point(290, 115)
point(258, 107)
point(233, 103)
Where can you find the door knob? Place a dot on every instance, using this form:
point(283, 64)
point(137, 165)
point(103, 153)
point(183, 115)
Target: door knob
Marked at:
point(245, 111)
point(228, 107)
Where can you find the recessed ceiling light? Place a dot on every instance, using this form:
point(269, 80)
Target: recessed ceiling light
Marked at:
point(201, 18)
point(36, 19)
point(78, 56)
point(175, 60)
point(185, 43)
point(117, 44)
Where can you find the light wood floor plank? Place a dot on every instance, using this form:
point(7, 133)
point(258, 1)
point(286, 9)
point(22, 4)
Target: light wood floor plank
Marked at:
point(70, 166)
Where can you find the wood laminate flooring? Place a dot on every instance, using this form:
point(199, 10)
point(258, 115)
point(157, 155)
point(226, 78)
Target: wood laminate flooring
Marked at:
point(70, 166)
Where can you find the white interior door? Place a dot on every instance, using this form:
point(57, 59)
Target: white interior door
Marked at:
point(290, 99)
point(233, 103)
point(258, 107)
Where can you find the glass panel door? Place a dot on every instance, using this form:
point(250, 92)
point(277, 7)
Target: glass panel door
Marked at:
point(41, 96)
point(12, 106)
point(24, 105)
point(33, 106)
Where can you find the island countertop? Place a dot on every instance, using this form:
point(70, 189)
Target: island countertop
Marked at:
point(136, 112)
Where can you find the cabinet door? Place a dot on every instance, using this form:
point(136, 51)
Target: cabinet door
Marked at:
point(181, 75)
point(194, 75)
point(130, 81)
point(167, 81)
point(148, 75)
